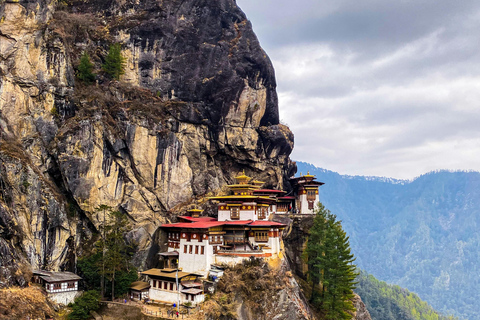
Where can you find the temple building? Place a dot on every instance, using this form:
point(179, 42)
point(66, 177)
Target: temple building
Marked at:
point(243, 229)
point(175, 286)
point(61, 286)
point(305, 190)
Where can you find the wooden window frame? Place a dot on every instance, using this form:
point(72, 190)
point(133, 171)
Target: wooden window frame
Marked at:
point(235, 213)
point(202, 250)
point(261, 236)
point(196, 249)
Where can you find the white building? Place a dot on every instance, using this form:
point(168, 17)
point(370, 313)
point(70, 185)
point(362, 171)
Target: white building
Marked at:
point(305, 190)
point(163, 286)
point(61, 287)
point(243, 230)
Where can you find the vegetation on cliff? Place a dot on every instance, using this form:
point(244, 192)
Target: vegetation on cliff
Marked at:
point(331, 272)
point(110, 258)
point(87, 302)
point(24, 303)
point(255, 290)
point(391, 302)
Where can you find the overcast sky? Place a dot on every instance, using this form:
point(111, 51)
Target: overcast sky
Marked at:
point(376, 87)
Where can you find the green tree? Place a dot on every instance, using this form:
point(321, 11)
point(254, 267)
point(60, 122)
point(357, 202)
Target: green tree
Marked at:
point(87, 302)
point(85, 69)
point(331, 271)
point(114, 64)
point(103, 208)
point(110, 258)
point(118, 251)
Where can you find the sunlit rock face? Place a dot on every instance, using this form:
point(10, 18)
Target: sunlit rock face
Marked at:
point(196, 105)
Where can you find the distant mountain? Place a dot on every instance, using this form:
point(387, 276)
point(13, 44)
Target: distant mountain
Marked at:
point(391, 302)
point(421, 234)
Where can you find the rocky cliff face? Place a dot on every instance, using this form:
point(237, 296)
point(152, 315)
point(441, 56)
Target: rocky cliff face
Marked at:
point(196, 105)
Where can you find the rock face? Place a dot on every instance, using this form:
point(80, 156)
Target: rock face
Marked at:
point(196, 105)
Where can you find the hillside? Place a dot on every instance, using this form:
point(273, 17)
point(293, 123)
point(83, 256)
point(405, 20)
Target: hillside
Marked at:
point(391, 302)
point(420, 234)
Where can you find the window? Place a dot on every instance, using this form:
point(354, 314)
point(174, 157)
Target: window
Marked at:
point(71, 285)
point(57, 286)
point(215, 249)
point(171, 286)
point(311, 195)
point(196, 249)
point(262, 212)
point(185, 249)
point(191, 249)
point(165, 285)
point(261, 236)
point(234, 213)
point(154, 283)
point(202, 250)
point(192, 297)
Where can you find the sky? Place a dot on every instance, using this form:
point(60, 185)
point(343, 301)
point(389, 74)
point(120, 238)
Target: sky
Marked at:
point(376, 87)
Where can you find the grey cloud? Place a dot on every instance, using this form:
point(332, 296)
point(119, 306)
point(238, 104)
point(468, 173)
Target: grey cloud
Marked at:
point(376, 87)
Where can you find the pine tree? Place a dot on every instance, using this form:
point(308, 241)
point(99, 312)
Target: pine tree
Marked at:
point(114, 64)
point(118, 251)
point(330, 266)
point(85, 69)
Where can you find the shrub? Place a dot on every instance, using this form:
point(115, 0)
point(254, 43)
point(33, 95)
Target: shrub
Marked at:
point(87, 302)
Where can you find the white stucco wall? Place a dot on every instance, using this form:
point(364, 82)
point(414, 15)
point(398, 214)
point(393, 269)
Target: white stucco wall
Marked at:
point(223, 215)
point(173, 296)
point(191, 262)
point(248, 214)
point(64, 297)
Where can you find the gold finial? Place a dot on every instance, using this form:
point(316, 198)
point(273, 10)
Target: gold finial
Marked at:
point(301, 174)
point(308, 173)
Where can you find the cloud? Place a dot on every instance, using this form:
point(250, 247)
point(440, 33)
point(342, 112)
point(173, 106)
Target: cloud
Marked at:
point(389, 88)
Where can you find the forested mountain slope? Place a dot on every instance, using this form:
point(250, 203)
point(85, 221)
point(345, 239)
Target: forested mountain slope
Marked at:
point(420, 234)
point(391, 302)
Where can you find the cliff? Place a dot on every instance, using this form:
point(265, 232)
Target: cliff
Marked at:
point(196, 105)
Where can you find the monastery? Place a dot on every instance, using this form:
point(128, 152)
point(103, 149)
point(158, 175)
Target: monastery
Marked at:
point(243, 229)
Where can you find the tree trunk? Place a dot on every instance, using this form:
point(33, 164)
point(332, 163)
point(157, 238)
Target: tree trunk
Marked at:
point(113, 285)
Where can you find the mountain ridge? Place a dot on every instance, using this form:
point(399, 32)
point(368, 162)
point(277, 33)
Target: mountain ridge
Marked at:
point(421, 235)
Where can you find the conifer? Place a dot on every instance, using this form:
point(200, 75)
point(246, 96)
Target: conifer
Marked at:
point(85, 69)
point(330, 266)
point(114, 64)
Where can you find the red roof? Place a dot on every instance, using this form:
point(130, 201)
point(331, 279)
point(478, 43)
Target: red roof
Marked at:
point(268, 191)
point(193, 225)
point(202, 219)
point(210, 224)
point(266, 224)
point(237, 222)
point(286, 198)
